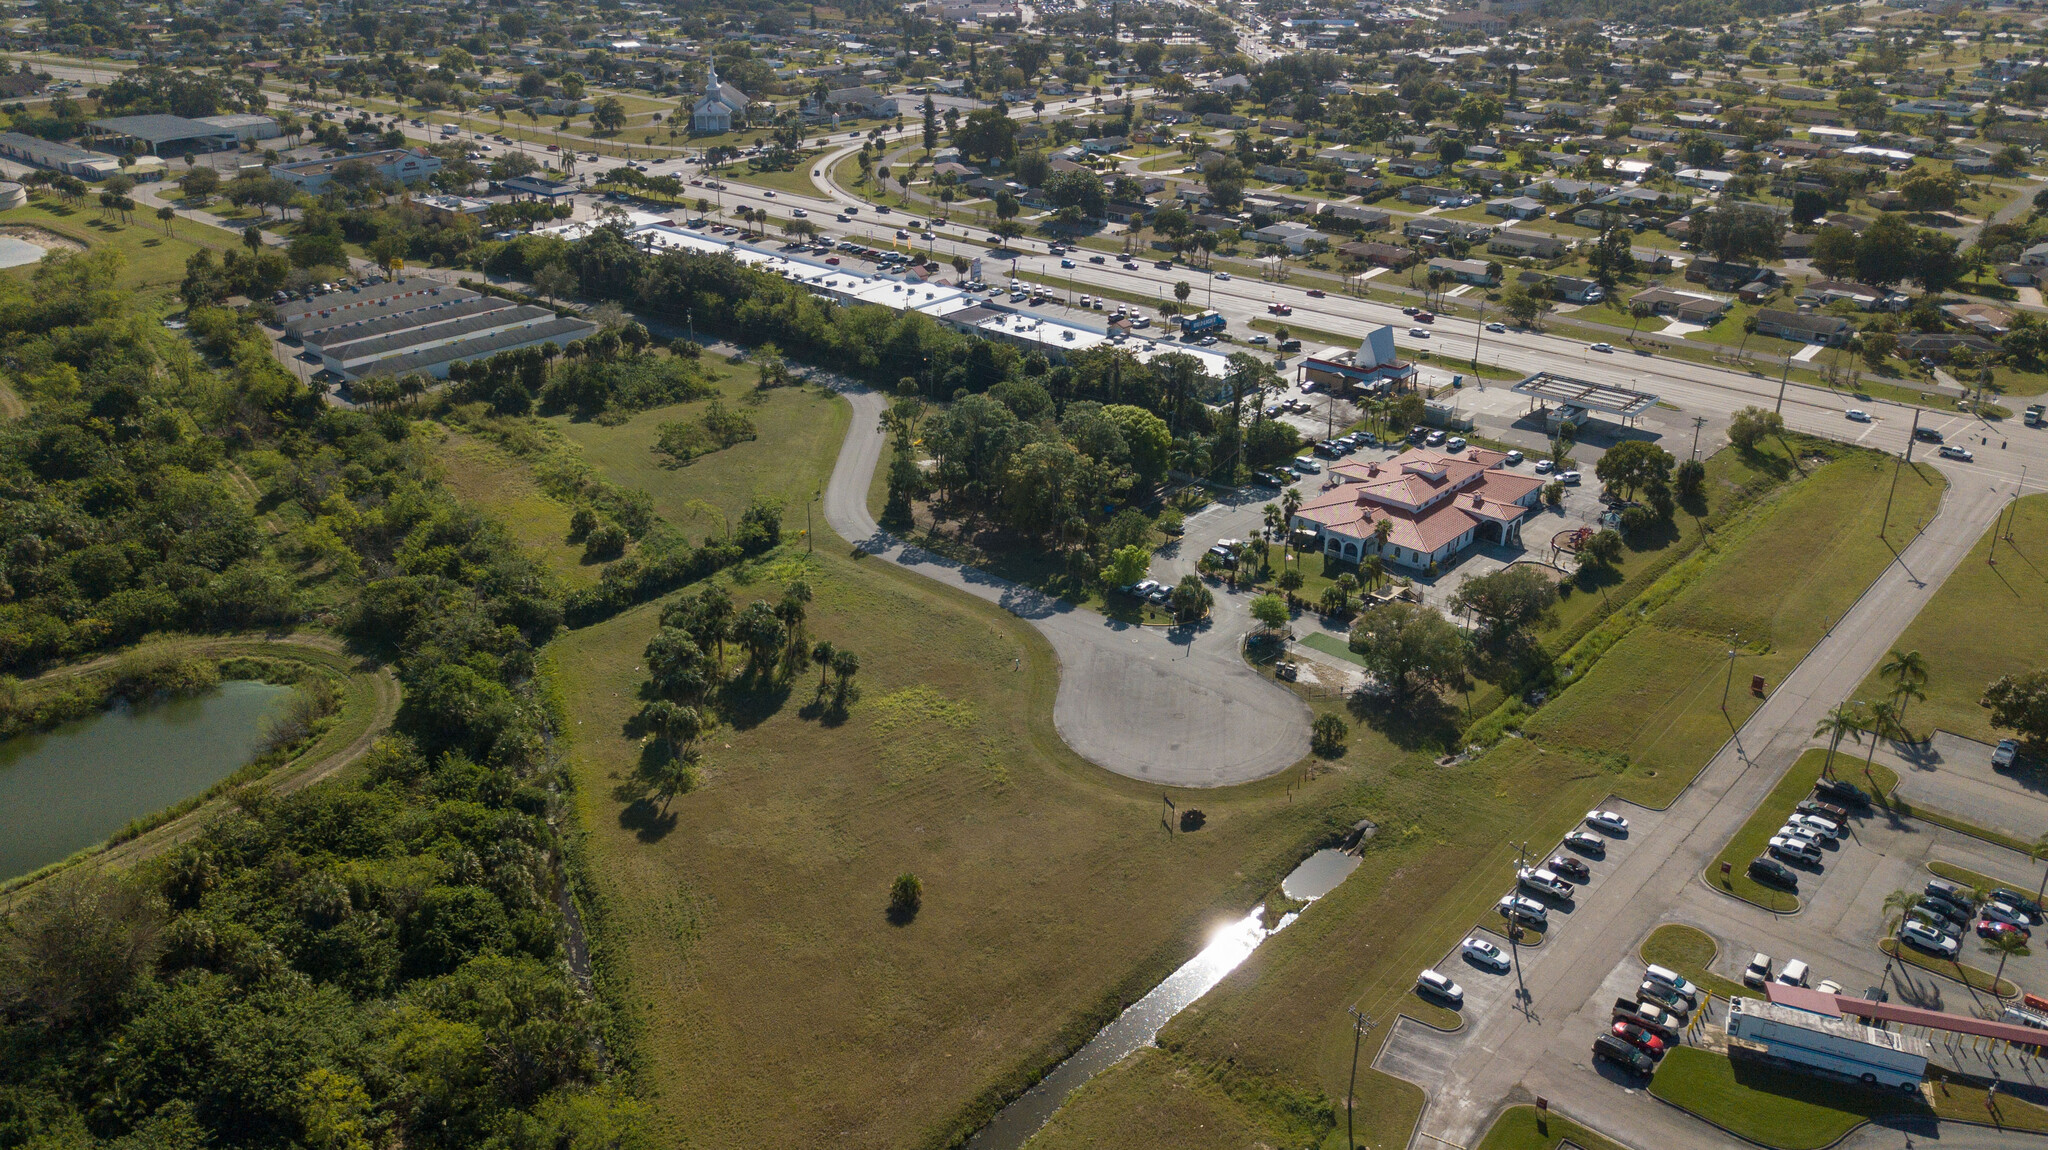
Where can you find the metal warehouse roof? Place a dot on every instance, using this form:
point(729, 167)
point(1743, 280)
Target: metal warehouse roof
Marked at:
point(560, 330)
point(439, 311)
point(159, 129)
point(372, 347)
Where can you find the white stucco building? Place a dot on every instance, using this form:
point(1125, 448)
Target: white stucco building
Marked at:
point(721, 106)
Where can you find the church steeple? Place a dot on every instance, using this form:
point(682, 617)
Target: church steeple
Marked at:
point(711, 79)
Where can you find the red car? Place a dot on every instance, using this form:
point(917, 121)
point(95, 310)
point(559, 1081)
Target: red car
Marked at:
point(1315, 293)
point(1992, 928)
point(1639, 1038)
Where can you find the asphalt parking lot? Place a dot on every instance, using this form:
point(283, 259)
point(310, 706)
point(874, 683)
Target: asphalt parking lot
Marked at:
point(1955, 774)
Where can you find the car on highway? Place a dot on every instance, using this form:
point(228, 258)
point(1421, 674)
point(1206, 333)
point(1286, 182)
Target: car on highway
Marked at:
point(770, 193)
point(1857, 415)
point(1924, 937)
point(1066, 263)
point(1992, 928)
point(1410, 310)
point(1425, 317)
point(1484, 953)
point(1130, 265)
point(1927, 434)
point(1951, 451)
point(1523, 907)
point(1097, 260)
point(1568, 478)
point(1259, 340)
point(1417, 333)
point(1586, 842)
point(1608, 1048)
point(1223, 275)
point(2005, 753)
point(1765, 869)
point(1603, 347)
point(1496, 327)
point(1438, 985)
point(799, 213)
point(1316, 293)
point(1568, 867)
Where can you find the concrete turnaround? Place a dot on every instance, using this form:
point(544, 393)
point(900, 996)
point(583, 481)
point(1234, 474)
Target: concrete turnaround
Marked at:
point(1177, 707)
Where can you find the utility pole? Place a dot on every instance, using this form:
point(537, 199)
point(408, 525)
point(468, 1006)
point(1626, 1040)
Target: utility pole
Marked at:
point(1733, 639)
point(1360, 1024)
point(1478, 330)
point(1782, 381)
point(1698, 421)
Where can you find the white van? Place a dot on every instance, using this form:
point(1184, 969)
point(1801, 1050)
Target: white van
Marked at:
point(1670, 979)
point(1794, 973)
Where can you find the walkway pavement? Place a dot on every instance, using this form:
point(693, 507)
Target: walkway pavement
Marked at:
point(1176, 706)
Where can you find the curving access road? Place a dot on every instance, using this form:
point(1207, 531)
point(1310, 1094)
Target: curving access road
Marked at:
point(1175, 706)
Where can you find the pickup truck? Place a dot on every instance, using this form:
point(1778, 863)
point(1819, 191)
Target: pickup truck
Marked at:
point(2034, 411)
point(1649, 1016)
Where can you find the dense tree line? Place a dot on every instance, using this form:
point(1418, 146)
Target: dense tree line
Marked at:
point(369, 962)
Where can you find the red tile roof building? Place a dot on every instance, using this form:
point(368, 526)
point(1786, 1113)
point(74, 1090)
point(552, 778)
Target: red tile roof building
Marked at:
point(1438, 503)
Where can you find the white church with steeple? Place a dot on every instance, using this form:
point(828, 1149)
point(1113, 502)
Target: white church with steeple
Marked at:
point(720, 108)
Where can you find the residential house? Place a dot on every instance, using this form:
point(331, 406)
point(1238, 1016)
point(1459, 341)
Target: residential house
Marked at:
point(1430, 194)
point(1804, 326)
point(1941, 346)
point(1517, 208)
point(1294, 237)
point(1577, 289)
point(1821, 293)
point(1229, 120)
point(1685, 306)
point(1722, 276)
point(1292, 177)
point(1378, 254)
point(1707, 179)
point(1358, 183)
point(1416, 167)
point(1475, 272)
point(1361, 218)
point(1528, 245)
point(1981, 318)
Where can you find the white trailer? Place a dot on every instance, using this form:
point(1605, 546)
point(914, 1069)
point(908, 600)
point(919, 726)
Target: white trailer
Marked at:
point(1833, 1047)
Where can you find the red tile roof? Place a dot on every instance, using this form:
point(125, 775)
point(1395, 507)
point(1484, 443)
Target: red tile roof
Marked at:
point(1410, 492)
point(1837, 1005)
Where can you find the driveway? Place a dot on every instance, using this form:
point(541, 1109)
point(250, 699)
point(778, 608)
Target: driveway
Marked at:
point(1173, 706)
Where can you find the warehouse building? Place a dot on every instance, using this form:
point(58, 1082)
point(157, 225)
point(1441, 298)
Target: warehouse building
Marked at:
point(397, 165)
point(417, 327)
point(57, 157)
point(162, 135)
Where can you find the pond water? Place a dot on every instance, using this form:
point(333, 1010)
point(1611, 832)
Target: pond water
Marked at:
point(1140, 1023)
point(66, 789)
point(16, 252)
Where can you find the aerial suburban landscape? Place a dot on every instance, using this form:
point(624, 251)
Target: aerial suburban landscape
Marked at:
point(968, 573)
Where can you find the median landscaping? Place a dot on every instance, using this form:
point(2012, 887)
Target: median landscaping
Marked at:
point(1790, 1111)
point(1962, 972)
point(1755, 836)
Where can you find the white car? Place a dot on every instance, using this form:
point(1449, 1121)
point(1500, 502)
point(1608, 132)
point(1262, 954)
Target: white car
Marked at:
point(1857, 415)
point(1430, 982)
point(1928, 939)
point(1308, 466)
point(2004, 912)
point(1223, 275)
point(1418, 333)
point(799, 213)
point(1543, 466)
point(1607, 821)
point(1603, 347)
point(2005, 753)
point(1568, 478)
point(1484, 953)
point(1496, 327)
point(1815, 827)
point(1514, 459)
point(1523, 907)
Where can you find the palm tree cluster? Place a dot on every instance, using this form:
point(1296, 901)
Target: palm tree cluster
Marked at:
point(1907, 671)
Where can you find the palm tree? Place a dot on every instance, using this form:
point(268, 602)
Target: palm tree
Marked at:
point(2005, 944)
point(1843, 720)
point(822, 655)
point(167, 214)
point(1907, 671)
point(1375, 570)
point(1381, 532)
point(1897, 903)
point(1289, 504)
point(1883, 715)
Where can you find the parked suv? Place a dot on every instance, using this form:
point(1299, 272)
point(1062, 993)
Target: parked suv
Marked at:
point(1611, 1049)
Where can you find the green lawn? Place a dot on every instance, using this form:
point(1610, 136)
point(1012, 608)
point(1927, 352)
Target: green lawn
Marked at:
point(484, 476)
point(1689, 951)
point(155, 261)
point(1331, 645)
point(1525, 1128)
point(796, 180)
point(798, 434)
point(1205, 1110)
point(1755, 836)
point(1986, 621)
point(1772, 1108)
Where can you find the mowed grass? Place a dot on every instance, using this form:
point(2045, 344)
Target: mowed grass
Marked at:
point(155, 261)
point(1525, 1128)
point(1689, 951)
point(778, 1000)
point(1630, 726)
point(1203, 1109)
point(1754, 837)
point(1796, 1112)
point(1986, 621)
point(486, 477)
point(798, 434)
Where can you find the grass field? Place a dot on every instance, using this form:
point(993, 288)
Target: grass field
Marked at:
point(1986, 621)
point(796, 180)
point(487, 478)
point(799, 430)
point(1755, 836)
point(1523, 1128)
point(155, 261)
point(1688, 951)
point(1206, 1110)
point(1440, 859)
